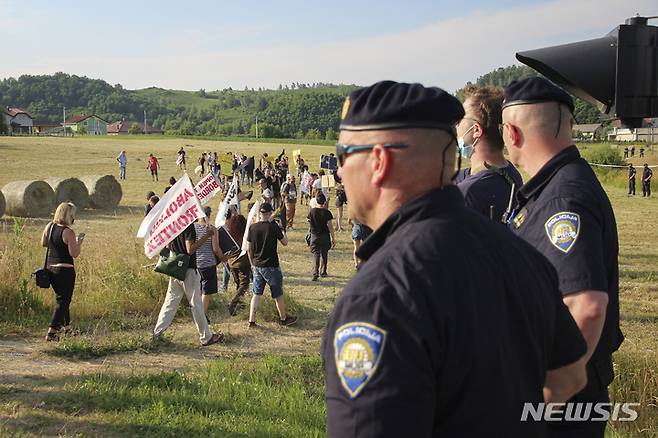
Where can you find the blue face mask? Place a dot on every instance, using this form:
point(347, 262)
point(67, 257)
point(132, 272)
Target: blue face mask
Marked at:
point(466, 150)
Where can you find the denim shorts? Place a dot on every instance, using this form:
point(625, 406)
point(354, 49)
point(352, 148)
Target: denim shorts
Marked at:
point(208, 280)
point(268, 275)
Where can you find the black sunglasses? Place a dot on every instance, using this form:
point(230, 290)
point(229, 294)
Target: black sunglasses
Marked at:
point(342, 150)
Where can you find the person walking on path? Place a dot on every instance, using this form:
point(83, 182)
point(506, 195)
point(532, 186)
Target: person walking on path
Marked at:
point(322, 240)
point(263, 237)
point(63, 246)
point(208, 256)
point(187, 243)
point(289, 196)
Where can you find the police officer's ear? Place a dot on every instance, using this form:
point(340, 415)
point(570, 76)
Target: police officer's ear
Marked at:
point(511, 134)
point(380, 164)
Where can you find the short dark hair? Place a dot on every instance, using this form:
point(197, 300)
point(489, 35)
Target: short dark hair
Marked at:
point(149, 195)
point(320, 198)
point(487, 104)
point(172, 180)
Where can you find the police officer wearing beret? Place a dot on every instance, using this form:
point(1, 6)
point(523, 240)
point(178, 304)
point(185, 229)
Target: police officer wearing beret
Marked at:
point(564, 212)
point(452, 323)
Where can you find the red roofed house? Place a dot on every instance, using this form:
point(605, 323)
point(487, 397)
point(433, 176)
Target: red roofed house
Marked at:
point(18, 120)
point(122, 127)
point(84, 123)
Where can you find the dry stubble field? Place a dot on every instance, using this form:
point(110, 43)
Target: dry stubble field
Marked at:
point(83, 384)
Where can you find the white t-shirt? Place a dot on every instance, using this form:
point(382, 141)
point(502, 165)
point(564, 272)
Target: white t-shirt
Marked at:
point(317, 184)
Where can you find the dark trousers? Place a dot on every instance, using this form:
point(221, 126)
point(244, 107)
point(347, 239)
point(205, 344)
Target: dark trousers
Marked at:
point(63, 281)
point(240, 269)
point(631, 186)
point(320, 245)
point(646, 188)
point(584, 429)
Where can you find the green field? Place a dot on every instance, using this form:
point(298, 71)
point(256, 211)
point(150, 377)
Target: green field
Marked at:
point(108, 378)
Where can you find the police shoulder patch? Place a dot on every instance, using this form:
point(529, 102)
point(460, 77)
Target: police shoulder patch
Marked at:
point(358, 348)
point(562, 230)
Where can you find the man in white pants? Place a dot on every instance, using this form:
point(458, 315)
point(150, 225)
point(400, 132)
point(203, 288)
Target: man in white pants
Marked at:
point(186, 243)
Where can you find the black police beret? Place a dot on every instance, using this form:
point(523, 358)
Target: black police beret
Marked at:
point(535, 90)
point(394, 105)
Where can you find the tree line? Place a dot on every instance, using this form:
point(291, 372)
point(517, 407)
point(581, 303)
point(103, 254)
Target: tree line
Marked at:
point(293, 110)
point(584, 112)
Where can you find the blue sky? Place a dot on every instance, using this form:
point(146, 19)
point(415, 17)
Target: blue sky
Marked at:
point(216, 44)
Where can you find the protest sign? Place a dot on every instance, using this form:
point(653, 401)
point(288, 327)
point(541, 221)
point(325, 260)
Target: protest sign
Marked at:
point(306, 182)
point(177, 210)
point(296, 153)
point(230, 199)
point(328, 181)
point(207, 188)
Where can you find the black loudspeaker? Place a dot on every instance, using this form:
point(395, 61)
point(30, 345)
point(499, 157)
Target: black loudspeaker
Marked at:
point(618, 72)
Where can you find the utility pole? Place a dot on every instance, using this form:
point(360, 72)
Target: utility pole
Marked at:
point(64, 121)
point(144, 122)
point(256, 126)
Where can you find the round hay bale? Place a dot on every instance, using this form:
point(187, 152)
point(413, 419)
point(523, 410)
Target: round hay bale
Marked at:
point(70, 189)
point(104, 191)
point(29, 198)
point(3, 205)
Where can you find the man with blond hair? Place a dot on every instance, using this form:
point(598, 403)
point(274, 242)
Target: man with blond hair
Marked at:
point(490, 183)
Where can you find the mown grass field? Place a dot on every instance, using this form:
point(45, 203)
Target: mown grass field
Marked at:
point(108, 379)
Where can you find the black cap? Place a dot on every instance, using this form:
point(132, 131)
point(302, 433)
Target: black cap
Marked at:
point(535, 90)
point(394, 105)
point(266, 207)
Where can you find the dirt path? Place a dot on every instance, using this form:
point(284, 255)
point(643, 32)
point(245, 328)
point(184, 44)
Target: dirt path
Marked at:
point(32, 358)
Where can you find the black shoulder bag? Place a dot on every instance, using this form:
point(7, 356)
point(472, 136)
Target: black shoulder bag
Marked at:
point(42, 275)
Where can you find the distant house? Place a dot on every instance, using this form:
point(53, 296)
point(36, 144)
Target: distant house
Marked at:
point(88, 123)
point(41, 126)
point(18, 120)
point(647, 132)
point(122, 127)
point(591, 131)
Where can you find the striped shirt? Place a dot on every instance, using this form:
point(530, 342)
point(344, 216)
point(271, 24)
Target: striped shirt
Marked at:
point(205, 258)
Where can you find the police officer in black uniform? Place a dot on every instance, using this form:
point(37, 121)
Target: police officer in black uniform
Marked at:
point(647, 173)
point(564, 212)
point(452, 323)
point(631, 179)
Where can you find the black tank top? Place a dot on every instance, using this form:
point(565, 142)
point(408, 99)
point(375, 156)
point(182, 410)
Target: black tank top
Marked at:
point(58, 250)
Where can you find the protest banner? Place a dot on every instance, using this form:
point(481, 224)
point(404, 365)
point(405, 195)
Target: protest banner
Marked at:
point(177, 210)
point(230, 199)
point(207, 188)
point(306, 182)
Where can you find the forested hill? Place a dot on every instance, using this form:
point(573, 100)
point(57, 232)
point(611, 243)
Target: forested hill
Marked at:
point(585, 112)
point(293, 110)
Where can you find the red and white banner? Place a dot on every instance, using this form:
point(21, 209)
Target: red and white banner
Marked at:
point(207, 188)
point(177, 210)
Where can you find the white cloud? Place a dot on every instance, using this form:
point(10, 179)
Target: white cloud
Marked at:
point(447, 53)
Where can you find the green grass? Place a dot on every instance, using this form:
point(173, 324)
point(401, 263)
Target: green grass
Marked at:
point(117, 299)
point(269, 397)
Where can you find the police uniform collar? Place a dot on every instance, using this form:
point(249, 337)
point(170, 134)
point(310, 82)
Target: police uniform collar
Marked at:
point(547, 172)
point(428, 205)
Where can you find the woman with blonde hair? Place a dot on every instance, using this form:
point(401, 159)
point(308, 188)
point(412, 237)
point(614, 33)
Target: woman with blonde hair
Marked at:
point(63, 246)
